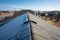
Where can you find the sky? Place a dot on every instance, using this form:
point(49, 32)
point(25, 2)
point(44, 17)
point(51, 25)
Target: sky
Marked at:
point(42, 5)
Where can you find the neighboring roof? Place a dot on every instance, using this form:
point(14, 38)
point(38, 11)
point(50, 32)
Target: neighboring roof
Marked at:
point(53, 12)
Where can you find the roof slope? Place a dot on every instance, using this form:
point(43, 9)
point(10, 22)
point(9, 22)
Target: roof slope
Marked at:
point(16, 29)
point(43, 30)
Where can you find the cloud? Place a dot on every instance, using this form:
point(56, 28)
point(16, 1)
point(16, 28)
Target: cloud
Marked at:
point(17, 7)
point(39, 7)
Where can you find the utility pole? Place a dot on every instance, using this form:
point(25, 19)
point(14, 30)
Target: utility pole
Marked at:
point(46, 15)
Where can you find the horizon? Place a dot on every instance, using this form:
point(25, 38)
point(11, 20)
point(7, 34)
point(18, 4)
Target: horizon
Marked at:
point(41, 5)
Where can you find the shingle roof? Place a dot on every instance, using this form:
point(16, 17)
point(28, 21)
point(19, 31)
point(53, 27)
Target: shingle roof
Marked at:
point(43, 30)
point(29, 27)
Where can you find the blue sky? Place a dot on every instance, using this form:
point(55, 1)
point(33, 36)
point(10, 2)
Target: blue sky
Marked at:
point(42, 5)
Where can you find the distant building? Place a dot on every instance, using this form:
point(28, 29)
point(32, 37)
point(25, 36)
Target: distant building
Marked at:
point(3, 15)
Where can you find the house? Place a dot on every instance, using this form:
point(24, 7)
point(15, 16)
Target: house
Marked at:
point(28, 27)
